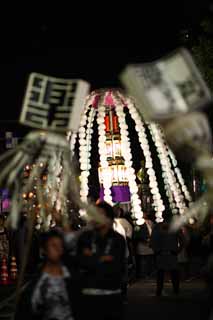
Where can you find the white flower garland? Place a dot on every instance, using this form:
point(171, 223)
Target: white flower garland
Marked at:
point(173, 191)
point(126, 153)
point(73, 139)
point(144, 144)
point(85, 137)
point(180, 177)
point(107, 178)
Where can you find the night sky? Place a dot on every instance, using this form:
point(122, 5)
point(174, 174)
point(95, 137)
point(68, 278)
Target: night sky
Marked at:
point(54, 44)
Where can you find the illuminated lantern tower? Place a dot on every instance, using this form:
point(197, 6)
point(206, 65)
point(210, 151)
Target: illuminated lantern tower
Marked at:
point(116, 170)
point(109, 110)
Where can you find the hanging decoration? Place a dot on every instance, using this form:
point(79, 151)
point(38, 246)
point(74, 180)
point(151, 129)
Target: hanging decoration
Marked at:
point(172, 92)
point(140, 128)
point(172, 187)
point(53, 106)
point(180, 177)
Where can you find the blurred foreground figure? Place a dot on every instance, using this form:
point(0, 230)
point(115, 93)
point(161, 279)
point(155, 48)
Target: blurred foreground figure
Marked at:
point(171, 91)
point(124, 228)
point(120, 216)
point(53, 107)
point(48, 295)
point(101, 258)
point(166, 246)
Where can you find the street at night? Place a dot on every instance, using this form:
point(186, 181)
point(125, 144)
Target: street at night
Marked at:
point(142, 302)
point(191, 303)
point(106, 162)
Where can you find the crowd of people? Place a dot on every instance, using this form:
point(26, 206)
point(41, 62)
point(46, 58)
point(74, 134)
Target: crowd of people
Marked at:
point(85, 273)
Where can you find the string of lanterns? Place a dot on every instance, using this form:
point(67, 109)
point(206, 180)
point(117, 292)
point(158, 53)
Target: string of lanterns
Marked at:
point(180, 177)
point(144, 144)
point(107, 183)
point(85, 137)
point(126, 152)
point(176, 199)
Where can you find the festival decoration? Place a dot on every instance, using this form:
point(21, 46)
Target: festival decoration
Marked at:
point(13, 269)
point(4, 272)
point(108, 110)
point(171, 91)
point(167, 87)
point(53, 106)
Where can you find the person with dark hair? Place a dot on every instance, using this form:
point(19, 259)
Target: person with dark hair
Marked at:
point(144, 253)
point(101, 258)
point(48, 296)
point(166, 246)
point(123, 227)
point(122, 222)
point(107, 211)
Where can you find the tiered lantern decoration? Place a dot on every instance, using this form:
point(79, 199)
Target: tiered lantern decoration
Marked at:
point(117, 177)
point(117, 170)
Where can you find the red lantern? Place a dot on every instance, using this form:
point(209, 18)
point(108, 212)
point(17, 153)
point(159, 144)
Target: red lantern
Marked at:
point(115, 124)
point(107, 123)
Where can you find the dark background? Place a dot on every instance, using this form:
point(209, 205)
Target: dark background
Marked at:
point(84, 44)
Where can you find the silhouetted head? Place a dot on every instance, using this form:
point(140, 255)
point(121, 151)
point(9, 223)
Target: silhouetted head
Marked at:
point(107, 211)
point(119, 212)
point(52, 243)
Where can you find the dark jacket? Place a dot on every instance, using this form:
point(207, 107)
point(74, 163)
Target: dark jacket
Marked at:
point(93, 272)
point(142, 235)
point(166, 246)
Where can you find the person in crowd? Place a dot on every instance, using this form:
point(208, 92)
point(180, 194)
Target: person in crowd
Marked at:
point(19, 239)
point(183, 257)
point(101, 259)
point(118, 227)
point(123, 227)
point(144, 253)
point(120, 217)
point(208, 276)
point(4, 239)
point(166, 246)
point(131, 260)
point(208, 269)
point(72, 233)
point(207, 237)
point(20, 242)
point(195, 252)
point(211, 234)
point(48, 296)
point(129, 218)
